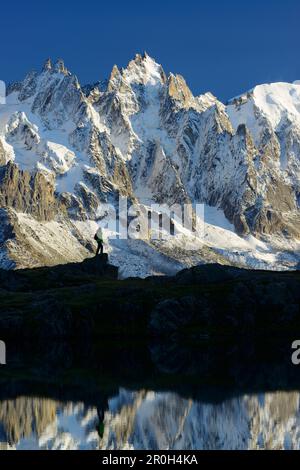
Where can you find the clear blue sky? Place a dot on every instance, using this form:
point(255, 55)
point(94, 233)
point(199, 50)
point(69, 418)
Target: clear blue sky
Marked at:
point(221, 46)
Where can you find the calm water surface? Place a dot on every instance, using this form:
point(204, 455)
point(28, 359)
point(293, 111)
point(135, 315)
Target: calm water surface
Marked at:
point(155, 398)
point(153, 420)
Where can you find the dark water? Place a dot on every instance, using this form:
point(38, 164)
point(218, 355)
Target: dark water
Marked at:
point(112, 395)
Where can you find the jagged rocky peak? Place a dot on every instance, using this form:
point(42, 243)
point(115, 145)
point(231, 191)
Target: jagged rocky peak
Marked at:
point(214, 115)
point(53, 78)
point(206, 100)
point(55, 70)
point(178, 90)
point(114, 79)
point(144, 70)
point(47, 65)
point(145, 135)
point(58, 66)
point(50, 76)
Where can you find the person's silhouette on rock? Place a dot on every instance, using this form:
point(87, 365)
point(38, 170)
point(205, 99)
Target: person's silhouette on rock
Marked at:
point(99, 239)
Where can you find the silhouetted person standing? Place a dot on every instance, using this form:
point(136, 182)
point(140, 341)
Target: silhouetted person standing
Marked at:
point(99, 239)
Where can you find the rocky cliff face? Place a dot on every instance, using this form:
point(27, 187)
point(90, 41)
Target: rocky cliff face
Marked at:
point(67, 149)
point(28, 193)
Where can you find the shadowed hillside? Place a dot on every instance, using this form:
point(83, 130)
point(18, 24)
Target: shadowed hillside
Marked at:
point(87, 299)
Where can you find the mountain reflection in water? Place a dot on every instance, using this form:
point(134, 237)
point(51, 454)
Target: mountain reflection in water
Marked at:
point(150, 397)
point(153, 420)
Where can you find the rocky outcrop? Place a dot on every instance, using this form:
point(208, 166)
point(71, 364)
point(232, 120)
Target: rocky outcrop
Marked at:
point(29, 193)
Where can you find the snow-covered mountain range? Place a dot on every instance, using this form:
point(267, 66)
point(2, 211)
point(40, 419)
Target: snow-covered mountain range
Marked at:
point(65, 149)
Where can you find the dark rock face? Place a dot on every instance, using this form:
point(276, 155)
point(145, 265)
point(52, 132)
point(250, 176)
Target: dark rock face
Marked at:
point(60, 275)
point(97, 265)
point(33, 194)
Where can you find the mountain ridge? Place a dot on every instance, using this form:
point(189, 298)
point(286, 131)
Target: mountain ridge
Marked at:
point(143, 135)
